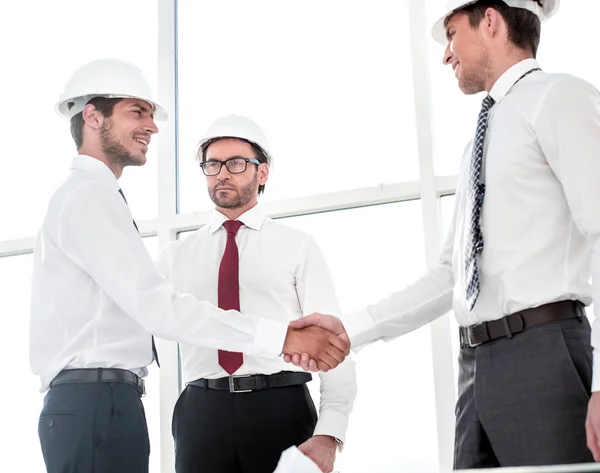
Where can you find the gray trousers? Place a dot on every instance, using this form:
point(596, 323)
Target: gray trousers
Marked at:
point(523, 401)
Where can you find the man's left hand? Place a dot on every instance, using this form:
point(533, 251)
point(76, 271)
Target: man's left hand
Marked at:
point(320, 449)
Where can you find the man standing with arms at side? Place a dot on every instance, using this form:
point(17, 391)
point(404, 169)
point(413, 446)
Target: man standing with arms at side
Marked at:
point(97, 296)
point(524, 241)
point(239, 411)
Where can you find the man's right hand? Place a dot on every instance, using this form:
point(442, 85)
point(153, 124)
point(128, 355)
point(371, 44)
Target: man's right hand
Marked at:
point(328, 322)
point(321, 345)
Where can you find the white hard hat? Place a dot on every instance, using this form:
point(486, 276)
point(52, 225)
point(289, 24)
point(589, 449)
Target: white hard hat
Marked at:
point(236, 126)
point(438, 30)
point(111, 78)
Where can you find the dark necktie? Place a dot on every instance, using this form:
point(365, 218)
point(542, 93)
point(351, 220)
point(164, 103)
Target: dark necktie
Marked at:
point(154, 351)
point(475, 193)
point(229, 290)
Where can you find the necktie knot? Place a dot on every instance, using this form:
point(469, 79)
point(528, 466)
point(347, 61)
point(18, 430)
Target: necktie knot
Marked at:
point(488, 102)
point(232, 226)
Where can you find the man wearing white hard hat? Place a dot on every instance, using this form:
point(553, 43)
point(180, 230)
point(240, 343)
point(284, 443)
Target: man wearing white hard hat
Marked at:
point(97, 296)
point(240, 411)
point(524, 242)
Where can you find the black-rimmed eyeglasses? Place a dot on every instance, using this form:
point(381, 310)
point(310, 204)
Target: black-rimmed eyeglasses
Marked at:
point(235, 165)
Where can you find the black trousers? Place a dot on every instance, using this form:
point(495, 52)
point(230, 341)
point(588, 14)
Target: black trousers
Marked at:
point(94, 428)
point(219, 431)
point(523, 401)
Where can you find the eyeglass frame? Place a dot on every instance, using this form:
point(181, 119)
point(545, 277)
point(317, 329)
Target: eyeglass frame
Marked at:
point(246, 160)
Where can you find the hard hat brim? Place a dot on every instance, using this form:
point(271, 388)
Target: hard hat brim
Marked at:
point(160, 114)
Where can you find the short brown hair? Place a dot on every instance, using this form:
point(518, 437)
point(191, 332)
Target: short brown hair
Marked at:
point(260, 155)
point(104, 105)
point(524, 27)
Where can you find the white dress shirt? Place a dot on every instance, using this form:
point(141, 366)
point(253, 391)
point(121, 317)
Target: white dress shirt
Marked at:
point(540, 217)
point(282, 276)
point(97, 295)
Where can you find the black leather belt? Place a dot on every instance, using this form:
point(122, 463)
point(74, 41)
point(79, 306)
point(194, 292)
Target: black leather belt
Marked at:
point(254, 382)
point(515, 323)
point(99, 375)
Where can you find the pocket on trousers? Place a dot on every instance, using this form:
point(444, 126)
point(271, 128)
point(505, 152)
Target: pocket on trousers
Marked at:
point(59, 432)
point(574, 370)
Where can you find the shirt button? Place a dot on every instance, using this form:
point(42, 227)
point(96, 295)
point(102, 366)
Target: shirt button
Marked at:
point(50, 423)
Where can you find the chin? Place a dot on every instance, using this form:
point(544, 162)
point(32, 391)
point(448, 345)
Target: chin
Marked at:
point(469, 89)
point(138, 160)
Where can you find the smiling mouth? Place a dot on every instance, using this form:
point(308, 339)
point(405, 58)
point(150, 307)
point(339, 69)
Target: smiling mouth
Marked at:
point(143, 141)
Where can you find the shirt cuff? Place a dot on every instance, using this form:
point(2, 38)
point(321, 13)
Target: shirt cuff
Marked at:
point(270, 337)
point(361, 329)
point(334, 424)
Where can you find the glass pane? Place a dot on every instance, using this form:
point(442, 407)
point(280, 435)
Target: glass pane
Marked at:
point(21, 400)
point(335, 98)
point(35, 162)
point(373, 252)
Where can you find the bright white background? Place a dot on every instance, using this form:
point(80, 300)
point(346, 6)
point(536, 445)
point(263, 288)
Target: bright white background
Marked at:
point(367, 128)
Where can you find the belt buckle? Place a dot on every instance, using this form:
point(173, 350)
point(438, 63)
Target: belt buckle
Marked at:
point(465, 338)
point(232, 384)
point(470, 341)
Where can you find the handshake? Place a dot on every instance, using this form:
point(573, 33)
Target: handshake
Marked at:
point(317, 342)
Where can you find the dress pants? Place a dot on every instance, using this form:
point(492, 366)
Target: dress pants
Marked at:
point(522, 401)
point(218, 431)
point(94, 428)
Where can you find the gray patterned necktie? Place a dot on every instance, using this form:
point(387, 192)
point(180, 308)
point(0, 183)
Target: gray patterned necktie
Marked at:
point(475, 193)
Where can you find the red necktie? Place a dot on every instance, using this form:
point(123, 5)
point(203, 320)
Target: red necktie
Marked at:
point(229, 290)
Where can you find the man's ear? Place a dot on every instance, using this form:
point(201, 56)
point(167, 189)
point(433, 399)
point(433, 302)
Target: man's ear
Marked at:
point(92, 117)
point(263, 173)
point(493, 23)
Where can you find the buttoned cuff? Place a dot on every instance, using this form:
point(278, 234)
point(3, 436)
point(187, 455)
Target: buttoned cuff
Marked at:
point(361, 329)
point(334, 424)
point(270, 337)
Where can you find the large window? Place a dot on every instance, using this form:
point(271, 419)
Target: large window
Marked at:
point(329, 82)
point(373, 252)
point(48, 41)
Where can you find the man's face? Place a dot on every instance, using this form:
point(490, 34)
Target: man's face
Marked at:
point(466, 54)
point(125, 135)
point(234, 190)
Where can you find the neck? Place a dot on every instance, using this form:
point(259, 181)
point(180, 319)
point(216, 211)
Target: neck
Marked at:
point(94, 152)
point(233, 214)
point(503, 65)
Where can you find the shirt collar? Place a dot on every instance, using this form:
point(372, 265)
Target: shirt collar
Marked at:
point(510, 76)
point(252, 218)
point(97, 168)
